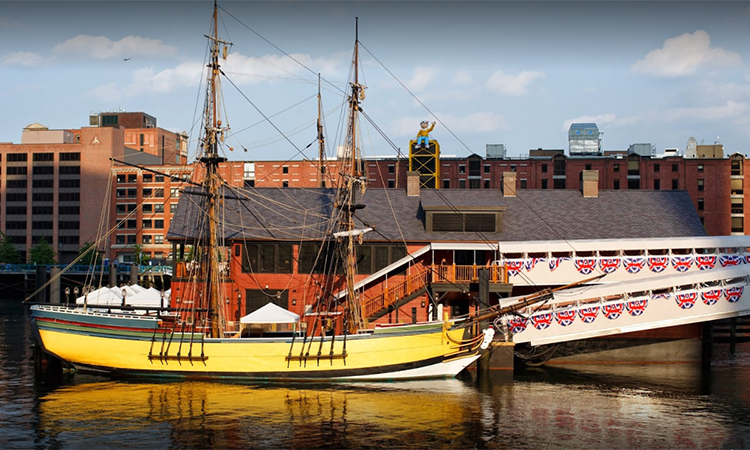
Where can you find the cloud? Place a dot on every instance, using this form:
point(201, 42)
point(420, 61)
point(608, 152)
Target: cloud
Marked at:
point(102, 47)
point(730, 110)
point(252, 70)
point(601, 120)
point(421, 78)
point(512, 85)
point(22, 59)
point(479, 122)
point(685, 55)
point(462, 78)
point(146, 81)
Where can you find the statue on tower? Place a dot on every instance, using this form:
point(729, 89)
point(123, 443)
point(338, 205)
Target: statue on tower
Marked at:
point(423, 135)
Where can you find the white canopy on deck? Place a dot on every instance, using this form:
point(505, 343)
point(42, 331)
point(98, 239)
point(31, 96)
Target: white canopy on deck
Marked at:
point(270, 313)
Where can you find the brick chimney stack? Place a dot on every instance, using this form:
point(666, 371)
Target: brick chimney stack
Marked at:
point(509, 184)
point(412, 184)
point(590, 183)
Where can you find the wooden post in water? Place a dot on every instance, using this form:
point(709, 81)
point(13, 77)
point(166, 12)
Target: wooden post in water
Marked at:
point(41, 278)
point(54, 287)
point(112, 274)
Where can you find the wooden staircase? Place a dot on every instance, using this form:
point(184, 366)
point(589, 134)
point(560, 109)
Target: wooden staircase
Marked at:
point(418, 282)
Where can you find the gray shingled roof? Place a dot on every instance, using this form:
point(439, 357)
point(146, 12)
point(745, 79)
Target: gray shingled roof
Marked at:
point(295, 214)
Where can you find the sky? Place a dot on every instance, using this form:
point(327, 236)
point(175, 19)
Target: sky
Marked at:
point(488, 72)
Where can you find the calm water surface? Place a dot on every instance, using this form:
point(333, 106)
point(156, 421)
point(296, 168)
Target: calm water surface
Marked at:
point(621, 406)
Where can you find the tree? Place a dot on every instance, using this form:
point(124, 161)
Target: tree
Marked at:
point(139, 257)
point(42, 253)
point(91, 255)
point(8, 251)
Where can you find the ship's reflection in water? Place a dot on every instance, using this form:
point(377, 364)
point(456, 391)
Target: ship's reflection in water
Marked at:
point(599, 406)
point(595, 406)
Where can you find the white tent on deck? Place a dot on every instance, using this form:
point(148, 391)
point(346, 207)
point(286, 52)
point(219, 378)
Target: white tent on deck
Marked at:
point(269, 320)
point(270, 313)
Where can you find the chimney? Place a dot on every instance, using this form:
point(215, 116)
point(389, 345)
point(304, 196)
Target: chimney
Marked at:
point(509, 184)
point(590, 183)
point(412, 183)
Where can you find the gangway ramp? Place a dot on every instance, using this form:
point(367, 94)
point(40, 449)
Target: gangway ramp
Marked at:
point(627, 306)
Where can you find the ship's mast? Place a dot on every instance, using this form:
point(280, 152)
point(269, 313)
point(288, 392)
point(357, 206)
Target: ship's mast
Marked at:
point(212, 182)
point(353, 182)
point(321, 141)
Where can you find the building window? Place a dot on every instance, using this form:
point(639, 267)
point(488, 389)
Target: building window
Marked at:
point(44, 156)
point(446, 183)
point(159, 239)
point(284, 183)
point(486, 184)
point(462, 168)
point(462, 184)
point(75, 156)
point(474, 183)
point(700, 184)
point(544, 168)
point(558, 183)
point(267, 258)
point(148, 178)
point(391, 168)
point(159, 208)
point(486, 168)
point(147, 223)
point(463, 221)
point(16, 157)
point(40, 210)
point(146, 239)
point(544, 183)
point(524, 183)
point(657, 167)
point(159, 223)
point(391, 183)
point(285, 169)
point(736, 186)
point(173, 208)
point(675, 167)
point(615, 167)
point(43, 170)
point(174, 192)
point(738, 225)
point(657, 185)
point(700, 168)
point(701, 204)
point(675, 184)
point(588, 166)
point(738, 206)
point(616, 184)
point(634, 183)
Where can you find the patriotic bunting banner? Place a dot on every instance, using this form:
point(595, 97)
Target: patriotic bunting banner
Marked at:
point(565, 317)
point(613, 310)
point(609, 265)
point(532, 262)
point(730, 260)
point(636, 307)
point(588, 314)
point(662, 296)
point(711, 296)
point(514, 266)
point(733, 293)
point(585, 266)
point(658, 264)
point(554, 263)
point(705, 262)
point(541, 321)
point(517, 324)
point(634, 264)
point(682, 263)
point(686, 300)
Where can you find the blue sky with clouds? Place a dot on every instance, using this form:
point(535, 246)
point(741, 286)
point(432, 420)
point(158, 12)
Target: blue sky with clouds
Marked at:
point(489, 72)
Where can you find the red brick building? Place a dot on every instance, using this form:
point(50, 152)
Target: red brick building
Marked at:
point(55, 183)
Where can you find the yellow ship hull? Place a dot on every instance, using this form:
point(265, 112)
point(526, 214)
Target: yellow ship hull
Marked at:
point(401, 353)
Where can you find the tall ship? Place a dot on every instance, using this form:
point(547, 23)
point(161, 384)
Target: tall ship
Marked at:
point(200, 337)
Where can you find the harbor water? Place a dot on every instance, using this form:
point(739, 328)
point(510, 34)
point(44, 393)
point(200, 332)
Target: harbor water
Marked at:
point(612, 406)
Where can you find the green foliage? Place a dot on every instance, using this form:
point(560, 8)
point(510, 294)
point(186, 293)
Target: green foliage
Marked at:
point(8, 251)
point(91, 256)
point(139, 257)
point(42, 253)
